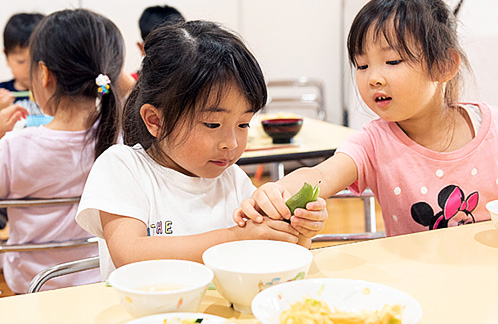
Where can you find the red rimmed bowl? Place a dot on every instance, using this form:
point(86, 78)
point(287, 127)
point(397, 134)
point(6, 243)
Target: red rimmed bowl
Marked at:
point(282, 130)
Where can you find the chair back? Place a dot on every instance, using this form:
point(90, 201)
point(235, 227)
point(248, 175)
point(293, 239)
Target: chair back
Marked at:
point(58, 270)
point(302, 96)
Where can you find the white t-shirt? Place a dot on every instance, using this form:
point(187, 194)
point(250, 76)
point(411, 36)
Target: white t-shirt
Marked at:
point(127, 181)
point(38, 162)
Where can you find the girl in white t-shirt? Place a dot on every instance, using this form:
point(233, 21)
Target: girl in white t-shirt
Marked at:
point(170, 191)
point(430, 160)
point(74, 55)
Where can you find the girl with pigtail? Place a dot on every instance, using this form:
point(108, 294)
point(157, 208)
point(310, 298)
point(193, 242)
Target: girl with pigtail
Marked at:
point(76, 60)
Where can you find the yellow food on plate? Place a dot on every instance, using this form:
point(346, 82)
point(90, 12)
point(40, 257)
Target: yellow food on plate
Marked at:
point(313, 311)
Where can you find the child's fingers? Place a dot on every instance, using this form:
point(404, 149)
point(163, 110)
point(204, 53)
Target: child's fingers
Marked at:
point(272, 230)
point(248, 210)
point(271, 202)
point(306, 216)
point(16, 109)
point(281, 226)
point(306, 232)
point(301, 223)
point(319, 204)
point(238, 217)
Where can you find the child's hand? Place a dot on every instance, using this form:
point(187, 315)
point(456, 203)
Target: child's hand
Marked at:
point(267, 200)
point(10, 116)
point(268, 229)
point(6, 98)
point(311, 220)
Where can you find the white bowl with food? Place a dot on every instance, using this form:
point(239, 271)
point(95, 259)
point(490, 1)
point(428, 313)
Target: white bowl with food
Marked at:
point(179, 318)
point(492, 208)
point(161, 286)
point(335, 300)
point(244, 268)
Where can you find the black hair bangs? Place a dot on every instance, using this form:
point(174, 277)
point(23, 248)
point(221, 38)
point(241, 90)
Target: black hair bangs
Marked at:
point(389, 20)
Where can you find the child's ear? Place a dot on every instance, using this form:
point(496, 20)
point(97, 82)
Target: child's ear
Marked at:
point(47, 76)
point(152, 119)
point(141, 48)
point(451, 67)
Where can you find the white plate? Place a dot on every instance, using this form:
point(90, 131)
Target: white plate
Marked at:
point(344, 294)
point(159, 318)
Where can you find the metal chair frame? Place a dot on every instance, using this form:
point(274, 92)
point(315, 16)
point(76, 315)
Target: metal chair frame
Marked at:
point(316, 99)
point(57, 270)
point(60, 270)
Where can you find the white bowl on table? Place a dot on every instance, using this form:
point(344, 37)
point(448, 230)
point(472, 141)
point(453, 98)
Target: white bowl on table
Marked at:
point(244, 268)
point(492, 207)
point(344, 294)
point(161, 286)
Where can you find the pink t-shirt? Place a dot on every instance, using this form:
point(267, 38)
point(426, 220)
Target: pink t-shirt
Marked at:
point(420, 189)
point(38, 162)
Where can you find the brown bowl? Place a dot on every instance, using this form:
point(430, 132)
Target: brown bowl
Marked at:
point(282, 130)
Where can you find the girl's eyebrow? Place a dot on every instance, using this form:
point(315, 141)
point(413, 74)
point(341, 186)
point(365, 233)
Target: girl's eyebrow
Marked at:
point(221, 109)
point(214, 109)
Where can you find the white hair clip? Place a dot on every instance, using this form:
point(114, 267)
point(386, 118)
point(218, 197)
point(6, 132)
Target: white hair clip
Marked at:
point(103, 82)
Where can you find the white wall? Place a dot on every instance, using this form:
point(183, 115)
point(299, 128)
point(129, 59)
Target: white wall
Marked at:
point(292, 38)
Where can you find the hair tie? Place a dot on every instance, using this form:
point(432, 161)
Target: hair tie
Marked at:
point(103, 82)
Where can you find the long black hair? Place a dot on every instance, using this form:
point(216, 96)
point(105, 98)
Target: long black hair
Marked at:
point(77, 46)
point(430, 25)
point(185, 65)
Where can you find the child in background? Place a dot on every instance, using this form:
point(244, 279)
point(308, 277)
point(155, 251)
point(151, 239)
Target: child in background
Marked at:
point(153, 17)
point(431, 161)
point(171, 193)
point(16, 49)
point(75, 56)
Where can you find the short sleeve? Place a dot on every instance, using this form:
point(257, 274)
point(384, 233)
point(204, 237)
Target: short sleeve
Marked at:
point(112, 186)
point(359, 148)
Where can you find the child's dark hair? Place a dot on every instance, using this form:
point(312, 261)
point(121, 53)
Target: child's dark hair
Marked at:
point(77, 46)
point(185, 66)
point(18, 30)
point(410, 26)
point(153, 17)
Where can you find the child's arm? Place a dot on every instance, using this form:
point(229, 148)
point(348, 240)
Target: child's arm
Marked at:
point(6, 98)
point(128, 242)
point(334, 175)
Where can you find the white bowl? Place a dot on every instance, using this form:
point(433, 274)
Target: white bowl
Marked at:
point(244, 268)
point(345, 294)
point(492, 207)
point(180, 286)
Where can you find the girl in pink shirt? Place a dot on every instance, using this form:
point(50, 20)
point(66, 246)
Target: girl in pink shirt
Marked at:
point(430, 160)
point(75, 55)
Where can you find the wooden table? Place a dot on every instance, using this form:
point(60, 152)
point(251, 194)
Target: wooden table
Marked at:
point(317, 139)
point(453, 273)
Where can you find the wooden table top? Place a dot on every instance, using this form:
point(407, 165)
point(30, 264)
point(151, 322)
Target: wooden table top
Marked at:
point(317, 138)
point(451, 272)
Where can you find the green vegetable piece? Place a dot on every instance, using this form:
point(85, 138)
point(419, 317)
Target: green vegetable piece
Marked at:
point(306, 194)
